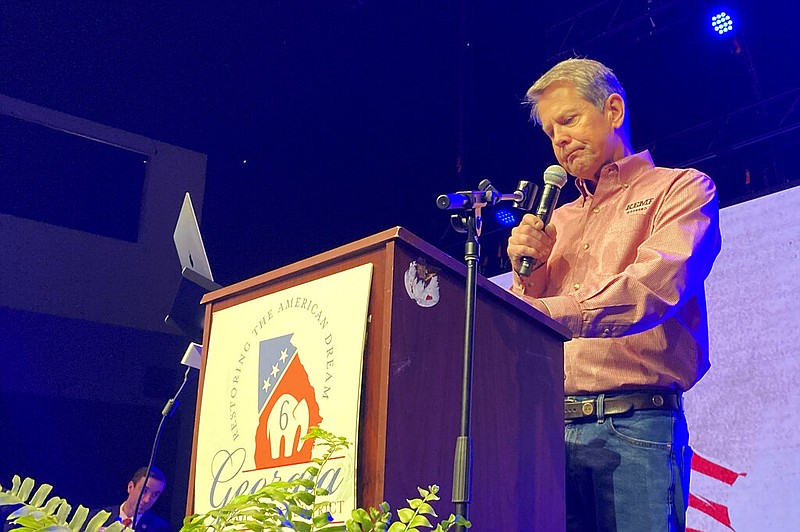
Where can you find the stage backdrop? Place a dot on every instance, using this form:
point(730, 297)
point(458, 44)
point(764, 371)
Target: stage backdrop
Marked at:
point(743, 416)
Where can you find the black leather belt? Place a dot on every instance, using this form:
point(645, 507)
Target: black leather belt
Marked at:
point(586, 409)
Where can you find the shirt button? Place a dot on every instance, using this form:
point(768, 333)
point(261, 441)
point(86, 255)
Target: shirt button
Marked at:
point(606, 332)
point(595, 210)
point(576, 286)
point(625, 185)
point(586, 246)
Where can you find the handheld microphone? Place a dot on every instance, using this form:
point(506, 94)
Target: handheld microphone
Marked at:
point(555, 177)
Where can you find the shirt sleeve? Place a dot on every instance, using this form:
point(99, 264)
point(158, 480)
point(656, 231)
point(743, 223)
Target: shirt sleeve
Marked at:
point(531, 286)
point(671, 265)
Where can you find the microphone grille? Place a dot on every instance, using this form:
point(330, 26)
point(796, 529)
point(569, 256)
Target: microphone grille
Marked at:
point(555, 175)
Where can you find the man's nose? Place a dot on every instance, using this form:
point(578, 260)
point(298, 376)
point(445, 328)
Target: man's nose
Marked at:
point(560, 136)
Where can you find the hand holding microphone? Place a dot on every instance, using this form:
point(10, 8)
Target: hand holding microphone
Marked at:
point(530, 233)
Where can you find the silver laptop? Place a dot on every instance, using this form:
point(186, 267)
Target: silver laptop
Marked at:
point(189, 243)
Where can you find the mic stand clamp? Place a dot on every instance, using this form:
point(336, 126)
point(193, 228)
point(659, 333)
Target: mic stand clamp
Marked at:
point(469, 222)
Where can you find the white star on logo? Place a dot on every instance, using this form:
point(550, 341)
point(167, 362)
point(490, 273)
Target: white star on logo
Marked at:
point(266, 385)
point(275, 370)
point(284, 355)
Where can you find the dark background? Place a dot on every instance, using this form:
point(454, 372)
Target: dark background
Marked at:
point(327, 121)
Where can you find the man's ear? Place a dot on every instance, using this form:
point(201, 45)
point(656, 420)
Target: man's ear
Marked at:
point(615, 110)
point(131, 485)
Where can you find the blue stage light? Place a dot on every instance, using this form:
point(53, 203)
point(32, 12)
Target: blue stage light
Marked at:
point(722, 23)
point(505, 217)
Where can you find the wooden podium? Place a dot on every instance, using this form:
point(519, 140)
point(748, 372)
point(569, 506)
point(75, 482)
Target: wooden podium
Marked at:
point(411, 386)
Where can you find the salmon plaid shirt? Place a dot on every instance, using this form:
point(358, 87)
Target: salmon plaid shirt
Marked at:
point(626, 277)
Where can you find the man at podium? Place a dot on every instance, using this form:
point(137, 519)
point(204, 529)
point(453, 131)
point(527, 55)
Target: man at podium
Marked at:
point(623, 268)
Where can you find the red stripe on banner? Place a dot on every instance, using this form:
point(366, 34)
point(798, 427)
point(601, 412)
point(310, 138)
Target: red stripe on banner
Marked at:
point(713, 470)
point(716, 511)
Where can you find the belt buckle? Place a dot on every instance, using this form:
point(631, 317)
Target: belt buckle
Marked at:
point(581, 409)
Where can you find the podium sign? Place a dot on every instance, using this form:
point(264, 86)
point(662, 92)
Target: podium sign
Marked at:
point(410, 389)
point(277, 365)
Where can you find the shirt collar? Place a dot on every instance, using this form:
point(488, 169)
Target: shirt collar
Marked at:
point(622, 170)
point(123, 515)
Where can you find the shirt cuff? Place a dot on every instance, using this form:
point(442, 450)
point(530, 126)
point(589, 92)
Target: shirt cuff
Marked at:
point(565, 310)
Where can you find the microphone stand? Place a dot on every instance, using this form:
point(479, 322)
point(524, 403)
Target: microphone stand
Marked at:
point(191, 359)
point(186, 316)
point(469, 222)
point(166, 412)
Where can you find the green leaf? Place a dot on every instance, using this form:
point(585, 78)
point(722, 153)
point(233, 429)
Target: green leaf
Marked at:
point(362, 520)
point(40, 495)
point(306, 497)
point(352, 526)
point(306, 483)
point(25, 489)
point(301, 526)
point(322, 519)
point(299, 510)
point(78, 518)
point(405, 515)
point(63, 512)
point(98, 520)
point(22, 511)
point(7, 497)
point(16, 483)
point(420, 520)
point(427, 509)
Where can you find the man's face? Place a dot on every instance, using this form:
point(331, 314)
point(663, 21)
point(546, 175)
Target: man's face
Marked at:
point(151, 493)
point(583, 137)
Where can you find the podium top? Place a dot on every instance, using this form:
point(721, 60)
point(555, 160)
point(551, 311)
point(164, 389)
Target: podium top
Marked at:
point(377, 241)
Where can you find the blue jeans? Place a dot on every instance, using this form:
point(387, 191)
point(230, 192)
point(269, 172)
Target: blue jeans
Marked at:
point(628, 473)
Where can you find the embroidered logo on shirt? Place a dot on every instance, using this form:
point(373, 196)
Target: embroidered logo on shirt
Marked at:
point(638, 206)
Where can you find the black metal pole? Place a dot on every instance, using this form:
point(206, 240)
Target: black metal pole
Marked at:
point(462, 467)
point(166, 412)
point(471, 201)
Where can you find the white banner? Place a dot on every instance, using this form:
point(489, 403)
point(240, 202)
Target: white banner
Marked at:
point(743, 414)
point(276, 366)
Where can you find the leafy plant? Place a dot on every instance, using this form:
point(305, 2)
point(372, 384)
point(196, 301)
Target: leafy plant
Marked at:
point(293, 505)
point(411, 518)
point(281, 506)
point(37, 512)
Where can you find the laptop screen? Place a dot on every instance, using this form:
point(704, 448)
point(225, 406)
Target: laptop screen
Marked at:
point(189, 243)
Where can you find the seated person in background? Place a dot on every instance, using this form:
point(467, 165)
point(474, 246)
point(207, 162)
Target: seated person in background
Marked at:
point(146, 521)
